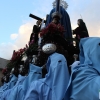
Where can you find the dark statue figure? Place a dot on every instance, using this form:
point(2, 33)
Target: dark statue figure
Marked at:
point(35, 31)
point(81, 31)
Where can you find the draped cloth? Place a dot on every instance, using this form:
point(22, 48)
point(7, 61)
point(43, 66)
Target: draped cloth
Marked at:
point(9, 85)
point(19, 92)
point(9, 92)
point(3, 86)
point(35, 73)
point(54, 85)
point(65, 21)
point(85, 79)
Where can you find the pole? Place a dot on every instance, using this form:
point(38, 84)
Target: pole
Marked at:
point(57, 5)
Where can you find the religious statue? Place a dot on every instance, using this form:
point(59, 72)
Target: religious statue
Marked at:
point(81, 31)
point(35, 31)
point(60, 9)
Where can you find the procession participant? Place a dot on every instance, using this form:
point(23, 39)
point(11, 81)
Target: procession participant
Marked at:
point(84, 83)
point(10, 84)
point(19, 90)
point(9, 92)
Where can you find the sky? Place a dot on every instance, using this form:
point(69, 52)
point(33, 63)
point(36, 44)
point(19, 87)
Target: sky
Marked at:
point(16, 25)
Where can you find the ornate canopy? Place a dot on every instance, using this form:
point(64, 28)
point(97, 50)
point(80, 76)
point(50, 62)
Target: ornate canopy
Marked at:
point(62, 3)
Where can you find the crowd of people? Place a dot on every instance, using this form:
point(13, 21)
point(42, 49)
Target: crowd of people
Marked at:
point(50, 71)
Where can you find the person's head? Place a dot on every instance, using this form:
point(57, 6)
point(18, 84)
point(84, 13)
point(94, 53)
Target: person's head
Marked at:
point(55, 20)
point(38, 22)
point(56, 16)
point(79, 21)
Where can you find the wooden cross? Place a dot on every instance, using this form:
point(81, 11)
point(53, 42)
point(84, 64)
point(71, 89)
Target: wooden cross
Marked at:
point(36, 17)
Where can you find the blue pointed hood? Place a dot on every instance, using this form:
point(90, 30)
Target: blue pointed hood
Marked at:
point(90, 52)
point(20, 79)
point(35, 73)
point(58, 76)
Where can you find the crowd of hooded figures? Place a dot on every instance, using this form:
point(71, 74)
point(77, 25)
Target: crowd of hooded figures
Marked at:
point(61, 79)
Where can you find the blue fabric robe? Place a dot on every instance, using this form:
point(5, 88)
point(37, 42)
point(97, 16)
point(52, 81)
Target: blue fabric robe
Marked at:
point(9, 85)
point(65, 21)
point(3, 86)
point(54, 85)
point(20, 91)
point(35, 73)
point(9, 92)
point(85, 79)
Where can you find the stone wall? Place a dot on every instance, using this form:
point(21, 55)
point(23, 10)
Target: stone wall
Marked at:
point(3, 63)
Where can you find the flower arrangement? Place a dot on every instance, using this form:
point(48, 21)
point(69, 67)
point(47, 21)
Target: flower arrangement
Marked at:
point(53, 29)
point(4, 71)
point(18, 54)
point(16, 58)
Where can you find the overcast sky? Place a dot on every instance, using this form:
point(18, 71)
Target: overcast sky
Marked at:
point(16, 25)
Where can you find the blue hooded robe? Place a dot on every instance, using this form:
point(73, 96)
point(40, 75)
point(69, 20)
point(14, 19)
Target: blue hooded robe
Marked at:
point(20, 91)
point(3, 86)
point(35, 73)
point(54, 85)
point(9, 92)
point(9, 85)
point(65, 21)
point(85, 78)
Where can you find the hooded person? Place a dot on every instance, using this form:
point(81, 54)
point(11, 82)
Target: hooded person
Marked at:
point(10, 81)
point(9, 92)
point(54, 85)
point(10, 84)
point(20, 91)
point(5, 80)
point(13, 68)
point(85, 79)
point(20, 80)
